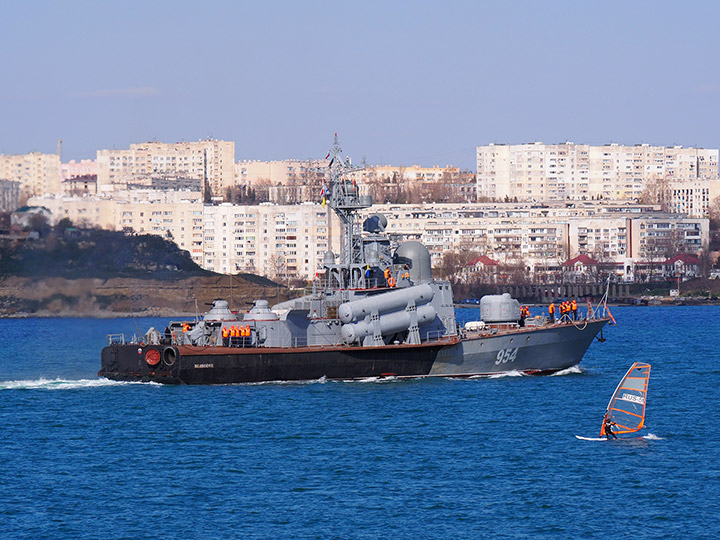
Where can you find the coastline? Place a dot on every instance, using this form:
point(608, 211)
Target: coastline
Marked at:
point(120, 297)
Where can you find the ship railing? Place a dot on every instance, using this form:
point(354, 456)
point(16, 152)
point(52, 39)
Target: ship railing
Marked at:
point(434, 335)
point(116, 338)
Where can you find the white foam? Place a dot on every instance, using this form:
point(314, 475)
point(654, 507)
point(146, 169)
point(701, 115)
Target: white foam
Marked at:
point(652, 437)
point(572, 370)
point(62, 384)
point(513, 373)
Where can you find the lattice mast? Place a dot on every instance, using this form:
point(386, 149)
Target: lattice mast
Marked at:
point(342, 195)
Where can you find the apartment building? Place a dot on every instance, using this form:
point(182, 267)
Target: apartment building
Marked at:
point(281, 241)
point(36, 173)
point(555, 172)
point(209, 160)
point(9, 195)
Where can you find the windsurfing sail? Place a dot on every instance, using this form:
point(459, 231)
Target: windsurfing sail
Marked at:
point(627, 404)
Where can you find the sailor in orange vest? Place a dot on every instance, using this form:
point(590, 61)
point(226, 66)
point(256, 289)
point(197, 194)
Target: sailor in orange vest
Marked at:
point(226, 336)
point(524, 314)
point(573, 308)
point(388, 278)
point(551, 311)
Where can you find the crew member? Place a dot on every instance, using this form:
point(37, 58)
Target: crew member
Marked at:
point(551, 311)
point(226, 336)
point(573, 308)
point(524, 314)
point(168, 336)
point(608, 428)
point(590, 310)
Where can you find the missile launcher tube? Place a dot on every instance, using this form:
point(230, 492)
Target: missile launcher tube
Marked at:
point(390, 323)
point(386, 302)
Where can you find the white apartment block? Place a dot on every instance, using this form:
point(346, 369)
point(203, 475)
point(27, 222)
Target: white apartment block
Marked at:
point(554, 172)
point(37, 173)
point(210, 160)
point(280, 241)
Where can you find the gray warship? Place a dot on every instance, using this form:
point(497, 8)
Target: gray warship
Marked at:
point(374, 311)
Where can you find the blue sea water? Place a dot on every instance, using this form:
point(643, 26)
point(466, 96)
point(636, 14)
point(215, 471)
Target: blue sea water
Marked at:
point(82, 457)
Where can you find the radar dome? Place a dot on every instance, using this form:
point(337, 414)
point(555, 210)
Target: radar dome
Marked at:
point(417, 257)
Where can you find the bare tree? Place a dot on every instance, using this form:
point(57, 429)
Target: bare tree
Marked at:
point(454, 262)
point(714, 214)
point(657, 191)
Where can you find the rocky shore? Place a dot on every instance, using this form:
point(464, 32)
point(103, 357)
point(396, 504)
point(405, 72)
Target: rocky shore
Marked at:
point(120, 297)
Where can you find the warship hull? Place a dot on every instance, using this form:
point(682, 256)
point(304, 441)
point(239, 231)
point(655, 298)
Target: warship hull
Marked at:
point(185, 364)
point(539, 350)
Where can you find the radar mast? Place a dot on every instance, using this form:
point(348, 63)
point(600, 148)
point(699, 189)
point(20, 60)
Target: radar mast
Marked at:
point(342, 195)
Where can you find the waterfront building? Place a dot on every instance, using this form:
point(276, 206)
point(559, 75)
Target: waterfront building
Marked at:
point(554, 172)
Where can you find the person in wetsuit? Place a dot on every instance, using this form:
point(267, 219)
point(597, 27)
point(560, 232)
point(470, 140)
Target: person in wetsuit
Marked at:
point(608, 428)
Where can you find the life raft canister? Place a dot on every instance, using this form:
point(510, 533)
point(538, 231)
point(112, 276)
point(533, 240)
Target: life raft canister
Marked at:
point(152, 357)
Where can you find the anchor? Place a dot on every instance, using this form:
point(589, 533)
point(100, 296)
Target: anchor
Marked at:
point(601, 339)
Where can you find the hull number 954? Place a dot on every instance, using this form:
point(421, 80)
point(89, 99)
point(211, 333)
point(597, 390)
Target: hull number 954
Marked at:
point(506, 355)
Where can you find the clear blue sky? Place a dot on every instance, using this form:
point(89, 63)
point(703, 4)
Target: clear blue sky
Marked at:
point(401, 82)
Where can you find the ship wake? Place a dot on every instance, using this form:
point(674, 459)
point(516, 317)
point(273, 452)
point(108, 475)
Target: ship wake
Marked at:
point(64, 384)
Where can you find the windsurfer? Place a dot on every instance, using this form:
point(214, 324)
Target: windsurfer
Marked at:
point(608, 428)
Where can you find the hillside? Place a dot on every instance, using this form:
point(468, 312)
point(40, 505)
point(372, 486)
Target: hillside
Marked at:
point(96, 253)
point(105, 274)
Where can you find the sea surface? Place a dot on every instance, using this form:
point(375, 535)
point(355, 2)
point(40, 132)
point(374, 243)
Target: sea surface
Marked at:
point(83, 457)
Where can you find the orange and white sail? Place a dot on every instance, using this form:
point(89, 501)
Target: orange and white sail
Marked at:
point(627, 404)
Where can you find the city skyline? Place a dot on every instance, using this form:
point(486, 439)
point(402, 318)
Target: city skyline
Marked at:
point(405, 83)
